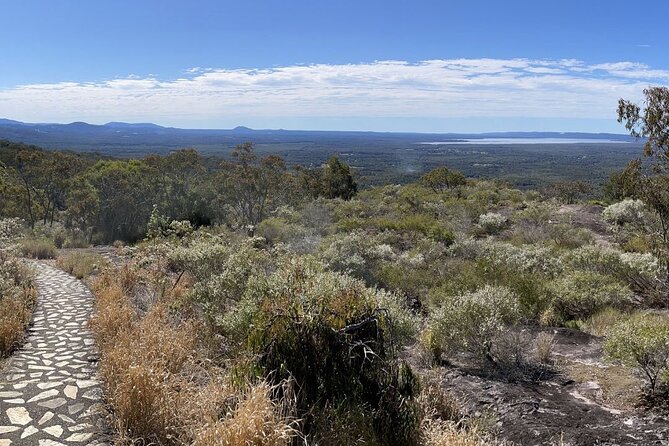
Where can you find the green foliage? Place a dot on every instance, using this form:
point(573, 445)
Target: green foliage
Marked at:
point(643, 342)
point(569, 192)
point(472, 321)
point(443, 178)
point(335, 337)
point(628, 211)
point(419, 224)
point(579, 295)
point(492, 223)
point(336, 180)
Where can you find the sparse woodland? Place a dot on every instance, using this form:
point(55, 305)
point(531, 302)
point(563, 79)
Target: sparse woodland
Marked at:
point(254, 303)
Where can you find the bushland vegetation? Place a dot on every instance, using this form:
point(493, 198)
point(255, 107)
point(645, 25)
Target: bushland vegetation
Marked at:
point(263, 304)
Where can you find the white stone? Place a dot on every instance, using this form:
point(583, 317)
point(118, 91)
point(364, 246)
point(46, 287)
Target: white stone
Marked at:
point(56, 430)
point(30, 430)
point(79, 437)
point(71, 391)
point(52, 404)
point(7, 429)
point(10, 394)
point(46, 417)
point(49, 385)
point(43, 395)
point(18, 415)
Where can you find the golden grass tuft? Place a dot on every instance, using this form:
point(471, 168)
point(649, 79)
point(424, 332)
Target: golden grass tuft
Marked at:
point(159, 385)
point(17, 299)
point(257, 420)
point(15, 314)
point(444, 433)
point(543, 347)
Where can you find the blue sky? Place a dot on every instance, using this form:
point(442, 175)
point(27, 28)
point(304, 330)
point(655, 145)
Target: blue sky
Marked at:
point(359, 65)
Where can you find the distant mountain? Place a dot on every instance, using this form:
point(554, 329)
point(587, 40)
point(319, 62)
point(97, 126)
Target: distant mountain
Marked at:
point(125, 125)
point(130, 139)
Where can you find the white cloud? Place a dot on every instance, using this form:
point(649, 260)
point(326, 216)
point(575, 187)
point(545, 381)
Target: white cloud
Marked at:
point(434, 89)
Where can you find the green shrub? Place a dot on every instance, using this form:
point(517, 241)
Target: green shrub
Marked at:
point(38, 248)
point(337, 339)
point(278, 230)
point(579, 295)
point(643, 342)
point(418, 224)
point(472, 321)
point(568, 237)
point(492, 223)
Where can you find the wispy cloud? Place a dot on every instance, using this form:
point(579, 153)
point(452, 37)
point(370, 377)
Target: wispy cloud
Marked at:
point(434, 89)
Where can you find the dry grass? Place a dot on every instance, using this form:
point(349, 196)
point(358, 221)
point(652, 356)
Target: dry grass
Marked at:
point(15, 314)
point(619, 385)
point(81, 264)
point(39, 248)
point(159, 384)
point(601, 323)
point(257, 420)
point(444, 433)
point(543, 347)
point(17, 298)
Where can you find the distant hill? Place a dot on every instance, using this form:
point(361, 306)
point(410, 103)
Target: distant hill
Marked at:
point(526, 159)
point(129, 139)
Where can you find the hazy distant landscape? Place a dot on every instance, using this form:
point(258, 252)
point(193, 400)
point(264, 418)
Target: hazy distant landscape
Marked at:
point(526, 159)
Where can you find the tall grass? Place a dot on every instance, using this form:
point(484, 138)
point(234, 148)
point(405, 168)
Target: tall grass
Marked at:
point(81, 264)
point(17, 298)
point(39, 248)
point(161, 386)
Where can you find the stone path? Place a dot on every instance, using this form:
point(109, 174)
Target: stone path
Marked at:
point(49, 394)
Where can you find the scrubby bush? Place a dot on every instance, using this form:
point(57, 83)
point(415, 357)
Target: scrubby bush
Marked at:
point(603, 321)
point(527, 258)
point(642, 272)
point(472, 321)
point(579, 295)
point(278, 230)
point(628, 211)
point(322, 329)
point(643, 342)
point(492, 223)
point(566, 236)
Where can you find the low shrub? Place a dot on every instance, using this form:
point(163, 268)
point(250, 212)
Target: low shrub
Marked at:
point(543, 347)
point(472, 321)
point(579, 295)
point(39, 248)
point(643, 342)
point(322, 329)
point(492, 223)
point(628, 211)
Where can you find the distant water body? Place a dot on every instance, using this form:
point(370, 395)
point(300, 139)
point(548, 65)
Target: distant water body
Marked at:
point(526, 141)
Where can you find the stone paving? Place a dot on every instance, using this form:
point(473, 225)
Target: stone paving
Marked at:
point(49, 394)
